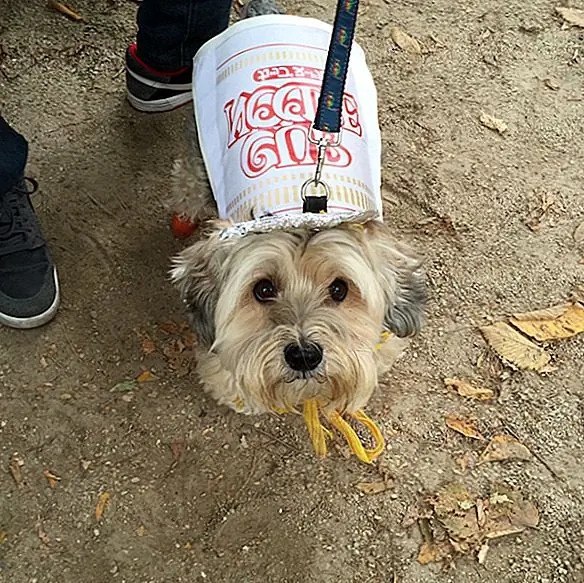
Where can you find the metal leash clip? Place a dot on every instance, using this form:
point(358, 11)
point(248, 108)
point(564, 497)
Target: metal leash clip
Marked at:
point(318, 203)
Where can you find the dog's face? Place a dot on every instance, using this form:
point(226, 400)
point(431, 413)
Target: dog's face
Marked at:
point(297, 315)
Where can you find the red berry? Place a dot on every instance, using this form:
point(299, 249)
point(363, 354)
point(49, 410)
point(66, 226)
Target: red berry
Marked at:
point(182, 227)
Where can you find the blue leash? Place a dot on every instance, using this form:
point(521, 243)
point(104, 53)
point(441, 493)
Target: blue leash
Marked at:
point(330, 103)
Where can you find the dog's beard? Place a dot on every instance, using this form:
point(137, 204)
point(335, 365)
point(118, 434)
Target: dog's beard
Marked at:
point(343, 380)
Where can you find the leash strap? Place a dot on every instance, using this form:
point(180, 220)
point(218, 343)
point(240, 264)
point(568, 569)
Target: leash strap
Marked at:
point(330, 103)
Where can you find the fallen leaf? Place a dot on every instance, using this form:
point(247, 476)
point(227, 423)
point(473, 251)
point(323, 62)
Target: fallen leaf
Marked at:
point(372, 487)
point(102, 502)
point(176, 447)
point(504, 447)
point(514, 348)
point(509, 513)
point(3, 536)
point(141, 530)
point(468, 522)
point(465, 426)
point(145, 377)
point(467, 461)
point(481, 518)
point(551, 84)
point(51, 478)
point(14, 467)
point(169, 327)
point(432, 552)
point(573, 16)
point(63, 9)
point(404, 41)
point(124, 387)
point(493, 123)
point(148, 346)
point(42, 534)
point(465, 389)
point(482, 554)
point(556, 323)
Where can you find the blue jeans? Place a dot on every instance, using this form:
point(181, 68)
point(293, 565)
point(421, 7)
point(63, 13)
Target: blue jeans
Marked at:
point(13, 155)
point(170, 32)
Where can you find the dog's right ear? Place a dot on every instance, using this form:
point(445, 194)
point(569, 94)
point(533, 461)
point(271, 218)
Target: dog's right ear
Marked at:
point(198, 275)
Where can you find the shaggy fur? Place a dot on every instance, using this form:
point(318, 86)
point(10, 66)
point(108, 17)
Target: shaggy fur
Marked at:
point(242, 341)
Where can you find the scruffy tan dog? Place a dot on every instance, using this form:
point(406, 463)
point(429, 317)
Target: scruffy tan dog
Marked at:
point(286, 316)
point(290, 314)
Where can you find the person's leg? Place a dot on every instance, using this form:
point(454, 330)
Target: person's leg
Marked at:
point(29, 289)
point(170, 32)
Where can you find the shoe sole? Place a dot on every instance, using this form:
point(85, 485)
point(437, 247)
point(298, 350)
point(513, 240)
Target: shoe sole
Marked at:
point(39, 319)
point(161, 105)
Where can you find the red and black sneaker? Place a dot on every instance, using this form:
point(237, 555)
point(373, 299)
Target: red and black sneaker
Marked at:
point(155, 91)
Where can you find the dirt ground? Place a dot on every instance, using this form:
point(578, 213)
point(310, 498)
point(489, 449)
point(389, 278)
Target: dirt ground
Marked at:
point(200, 493)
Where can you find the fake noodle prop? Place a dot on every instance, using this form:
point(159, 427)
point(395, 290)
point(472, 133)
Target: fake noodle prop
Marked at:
point(319, 433)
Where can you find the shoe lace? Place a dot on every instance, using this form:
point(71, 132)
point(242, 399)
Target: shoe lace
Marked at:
point(17, 223)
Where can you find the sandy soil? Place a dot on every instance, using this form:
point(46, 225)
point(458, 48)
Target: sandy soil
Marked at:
point(199, 493)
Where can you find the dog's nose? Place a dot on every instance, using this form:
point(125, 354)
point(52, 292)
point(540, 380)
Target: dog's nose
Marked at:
point(303, 357)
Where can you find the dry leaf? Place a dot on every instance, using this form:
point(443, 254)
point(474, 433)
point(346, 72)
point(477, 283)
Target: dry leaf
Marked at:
point(372, 487)
point(551, 84)
point(493, 123)
point(145, 377)
point(465, 426)
point(514, 348)
point(176, 447)
point(3, 536)
point(404, 41)
point(51, 478)
point(124, 387)
point(101, 504)
point(141, 531)
point(482, 554)
point(432, 552)
point(504, 447)
point(14, 467)
point(148, 346)
point(556, 323)
point(465, 389)
point(42, 534)
point(467, 461)
point(63, 9)
point(169, 327)
point(509, 513)
point(573, 16)
point(468, 522)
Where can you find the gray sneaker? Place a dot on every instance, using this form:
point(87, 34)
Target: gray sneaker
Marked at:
point(29, 288)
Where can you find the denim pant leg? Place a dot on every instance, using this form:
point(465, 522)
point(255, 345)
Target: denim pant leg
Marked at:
point(13, 156)
point(170, 32)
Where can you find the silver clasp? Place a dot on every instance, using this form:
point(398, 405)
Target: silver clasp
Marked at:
point(323, 142)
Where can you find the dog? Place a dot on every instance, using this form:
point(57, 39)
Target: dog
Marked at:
point(304, 311)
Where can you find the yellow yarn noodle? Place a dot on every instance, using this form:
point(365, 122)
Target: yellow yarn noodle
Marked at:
point(315, 428)
point(319, 434)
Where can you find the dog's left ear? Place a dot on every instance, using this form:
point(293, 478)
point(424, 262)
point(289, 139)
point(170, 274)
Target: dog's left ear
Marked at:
point(198, 275)
point(403, 280)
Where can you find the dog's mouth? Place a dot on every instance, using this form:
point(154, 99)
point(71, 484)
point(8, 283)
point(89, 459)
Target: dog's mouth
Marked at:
point(317, 375)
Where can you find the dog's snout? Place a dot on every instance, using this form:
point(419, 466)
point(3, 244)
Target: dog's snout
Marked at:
point(303, 357)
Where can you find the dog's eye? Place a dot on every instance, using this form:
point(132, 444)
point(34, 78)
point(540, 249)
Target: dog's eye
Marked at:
point(264, 290)
point(338, 290)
